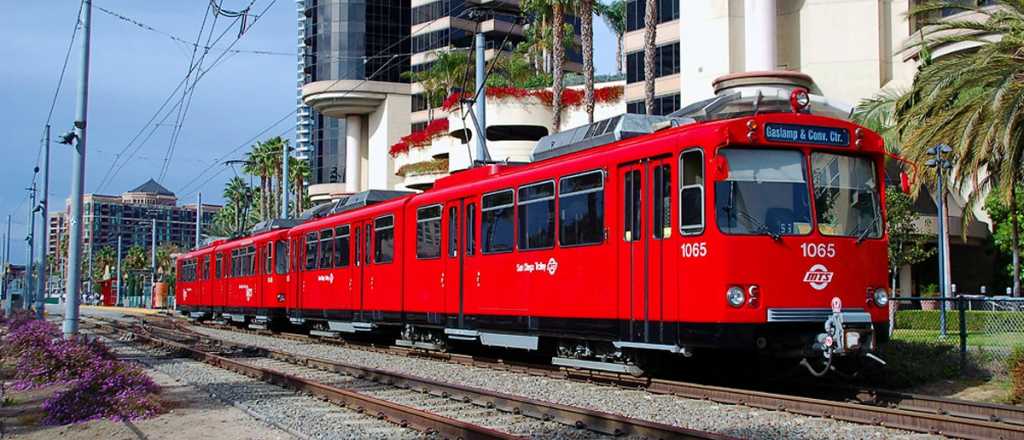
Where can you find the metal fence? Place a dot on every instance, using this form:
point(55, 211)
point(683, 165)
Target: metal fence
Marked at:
point(984, 329)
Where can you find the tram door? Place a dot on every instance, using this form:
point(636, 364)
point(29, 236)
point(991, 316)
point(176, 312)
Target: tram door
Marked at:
point(361, 257)
point(645, 197)
point(454, 260)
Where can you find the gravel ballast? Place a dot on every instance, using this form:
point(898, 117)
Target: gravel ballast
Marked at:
point(734, 420)
point(301, 415)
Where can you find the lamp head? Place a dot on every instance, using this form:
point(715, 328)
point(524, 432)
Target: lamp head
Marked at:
point(68, 138)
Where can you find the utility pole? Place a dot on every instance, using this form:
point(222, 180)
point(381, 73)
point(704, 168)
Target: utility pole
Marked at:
point(286, 182)
point(3, 279)
point(152, 265)
point(199, 218)
point(481, 95)
point(78, 181)
point(118, 285)
point(44, 215)
point(26, 297)
point(8, 304)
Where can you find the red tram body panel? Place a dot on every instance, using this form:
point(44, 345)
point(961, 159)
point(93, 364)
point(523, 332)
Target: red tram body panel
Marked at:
point(710, 235)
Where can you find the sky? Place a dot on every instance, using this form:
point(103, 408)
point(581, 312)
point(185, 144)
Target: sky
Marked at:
point(132, 72)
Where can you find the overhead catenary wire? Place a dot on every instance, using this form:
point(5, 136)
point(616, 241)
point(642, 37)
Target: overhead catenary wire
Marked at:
point(112, 172)
point(183, 109)
point(181, 40)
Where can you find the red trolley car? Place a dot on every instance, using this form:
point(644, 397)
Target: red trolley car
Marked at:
point(744, 222)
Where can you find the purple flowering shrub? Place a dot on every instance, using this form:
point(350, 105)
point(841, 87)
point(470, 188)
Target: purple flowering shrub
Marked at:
point(93, 384)
point(28, 338)
point(112, 390)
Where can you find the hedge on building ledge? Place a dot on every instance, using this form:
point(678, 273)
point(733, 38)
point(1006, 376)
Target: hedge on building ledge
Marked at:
point(425, 167)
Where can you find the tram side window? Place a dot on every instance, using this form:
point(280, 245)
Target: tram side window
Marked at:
point(581, 209)
point(268, 259)
point(428, 232)
point(281, 255)
point(632, 189)
point(384, 239)
point(311, 246)
point(470, 228)
point(326, 248)
point(206, 267)
point(691, 192)
point(453, 232)
point(537, 216)
point(662, 186)
point(217, 265)
point(341, 234)
point(497, 223)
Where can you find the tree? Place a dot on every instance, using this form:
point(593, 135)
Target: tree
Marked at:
point(971, 101)
point(102, 259)
point(274, 155)
point(650, 35)
point(1002, 221)
point(907, 246)
point(164, 263)
point(558, 46)
point(614, 15)
point(587, 29)
point(255, 166)
point(135, 259)
point(299, 170)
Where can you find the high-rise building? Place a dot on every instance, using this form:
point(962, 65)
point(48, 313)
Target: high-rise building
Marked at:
point(353, 98)
point(130, 216)
point(667, 60)
point(446, 25)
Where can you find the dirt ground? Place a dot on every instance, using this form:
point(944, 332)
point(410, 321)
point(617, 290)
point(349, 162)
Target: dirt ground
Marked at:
point(189, 414)
point(995, 390)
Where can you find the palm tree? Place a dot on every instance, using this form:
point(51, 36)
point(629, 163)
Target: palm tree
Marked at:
point(650, 34)
point(275, 151)
point(135, 259)
point(239, 198)
point(558, 49)
point(614, 15)
point(587, 30)
point(299, 170)
point(539, 32)
point(103, 258)
point(254, 167)
point(972, 101)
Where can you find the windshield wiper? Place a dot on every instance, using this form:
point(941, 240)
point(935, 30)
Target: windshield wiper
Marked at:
point(759, 227)
point(867, 229)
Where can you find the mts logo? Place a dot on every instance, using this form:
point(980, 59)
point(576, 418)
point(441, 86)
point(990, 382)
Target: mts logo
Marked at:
point(818, 276)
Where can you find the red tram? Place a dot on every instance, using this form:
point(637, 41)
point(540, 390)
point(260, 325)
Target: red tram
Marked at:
point(750, 224)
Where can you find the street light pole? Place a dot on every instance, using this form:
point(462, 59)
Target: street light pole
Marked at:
point(152, 265)
point(26, 297)
point(44, 216)
point(119, 297)
point(941, 164)
point(285, 181)
point(8, 304)
point(199, 218)
point(78, 181)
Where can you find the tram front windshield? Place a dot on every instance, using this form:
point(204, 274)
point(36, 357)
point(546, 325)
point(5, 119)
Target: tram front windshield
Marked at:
point(765, 193)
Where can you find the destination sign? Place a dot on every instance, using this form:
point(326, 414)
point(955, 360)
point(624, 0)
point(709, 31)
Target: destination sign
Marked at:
point(807, 134)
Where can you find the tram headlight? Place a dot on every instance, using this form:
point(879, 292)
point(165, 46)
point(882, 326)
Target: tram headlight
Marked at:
point(735, 296)
point(881, 297)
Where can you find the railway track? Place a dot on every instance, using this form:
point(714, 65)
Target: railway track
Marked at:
point(443, 409)
point(893, 409)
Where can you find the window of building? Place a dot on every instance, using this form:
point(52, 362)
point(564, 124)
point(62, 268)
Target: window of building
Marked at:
point(497, 225)
point(311, 246)
point(537, 216)
point(663, 105)
point(666, 62)
point(636, 12)
point(384, 239)
point(581, 209)
point(281, 255)
point(428, 232)
point(326, 248)
point(661, 183)
point(516, 132)
point(419, 102)
point(691, 192)
point(341, 245)
point(470, 229)
point(453, 231)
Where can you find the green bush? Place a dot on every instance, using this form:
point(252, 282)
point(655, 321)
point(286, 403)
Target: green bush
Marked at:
point(976, 320)
point(911, 364)
point(1015, 365)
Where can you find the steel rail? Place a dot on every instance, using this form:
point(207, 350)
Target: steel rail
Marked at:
point(925, 414)
point(580, 418)
point(401, 415)
point(943, 424)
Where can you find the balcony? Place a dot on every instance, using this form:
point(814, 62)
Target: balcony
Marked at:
point(341, 98)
